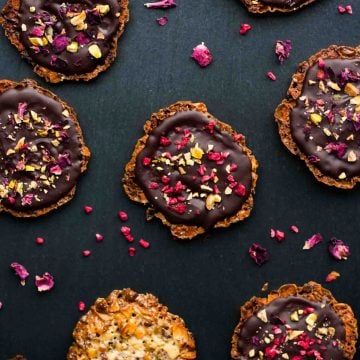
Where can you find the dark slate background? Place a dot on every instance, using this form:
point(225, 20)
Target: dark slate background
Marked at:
point(206, 280)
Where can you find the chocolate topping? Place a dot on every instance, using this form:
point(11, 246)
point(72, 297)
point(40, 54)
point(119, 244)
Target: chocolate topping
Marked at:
point(68, 37)
point(40, 150)
point(295, 326)
point(193, 172)
point(325, 124)
point(286, 4)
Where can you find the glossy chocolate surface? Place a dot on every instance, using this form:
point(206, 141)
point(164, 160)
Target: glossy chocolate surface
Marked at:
point(325, 123)
point(40, 151)
point(193, 172)
point(68, 37)
point(286, 4)
point(294, 326)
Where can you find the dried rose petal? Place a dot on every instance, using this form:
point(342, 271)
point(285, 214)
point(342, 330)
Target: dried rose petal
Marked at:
point(202, 55)
point(82, 39)
point(341, 9)
point(125, 230)
point(272, 233)
point(271, 76)
point(294, 229)
point(332, 276)
point(162, 21)
point(21, 109)
point(339, 149)
point(132, 251)
point(1, 305)
point(280, 235)
point(244, 28)
point(164, 4)
point(45, 282)
point(60, 43)
point(20, 271)
point(282, 50)
point(338, 249)
point(349, 9)
point(81, 306)
point(259, 254)
point(311, 242)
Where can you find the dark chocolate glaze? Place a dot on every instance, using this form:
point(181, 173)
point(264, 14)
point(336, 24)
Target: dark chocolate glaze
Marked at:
point(52, 128)
point(286, 4)
point(66, 62)
point(278, 313)
point(309, 140)
point(196, 212)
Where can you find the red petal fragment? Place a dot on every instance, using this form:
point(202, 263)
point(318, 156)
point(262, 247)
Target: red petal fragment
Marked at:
point(244, 28)
point(86, 253)
point(341, 9)
point(332, 276)
point(312, 241)
point(125, 230)
point(259, 254)
point(271, 76)
point(349, 9)
point(45, 282)
point(145, 244)
point(99, 237)
point(123, 216)
point(40, 240)
point(321, 63)
point(81, 306)
point(129, 238)
point(20, 271)
point(146, 161)
point(294, 229)
point(272, 233)
point(280, 235)
point(164, 4)
point(132, 251)
point(338, 249)
point(202, 55)
point(162, 21)
point(88, 209)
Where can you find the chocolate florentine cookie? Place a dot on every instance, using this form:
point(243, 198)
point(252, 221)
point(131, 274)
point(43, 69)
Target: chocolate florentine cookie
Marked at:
point(262, 6)
point(71, 40)
point(195, 171)
point(320, 120)
point(42, 151)
point(295, 323)
point(128, 325)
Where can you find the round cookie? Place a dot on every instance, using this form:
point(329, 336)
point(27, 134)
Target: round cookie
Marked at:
point(70, 40)
point(128, 325)
point(193, 171)
point(320, 119)
point(42, 150)
point(263, 6)
point(295, 323)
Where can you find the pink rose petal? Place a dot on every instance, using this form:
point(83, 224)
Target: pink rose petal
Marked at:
point(202, 55)
point(45, 282)
point(311, 242)
point(162, 21)
point(338, 249)
point(20, 271)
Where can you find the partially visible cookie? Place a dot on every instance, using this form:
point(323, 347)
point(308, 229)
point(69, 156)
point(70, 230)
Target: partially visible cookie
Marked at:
point(71, 40)
point(263, 6)
point(192, 170)
point(320, 119)
point(18, 357)
point(42, 150)
point(129, 326)
point(295, 322)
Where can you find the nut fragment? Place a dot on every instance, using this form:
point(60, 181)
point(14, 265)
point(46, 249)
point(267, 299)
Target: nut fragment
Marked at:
point(351, 90)
point(211, 201)
point(351, 156)
point(262, 316)
point(311, 320)
point(95, 51)
point(316, 118)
